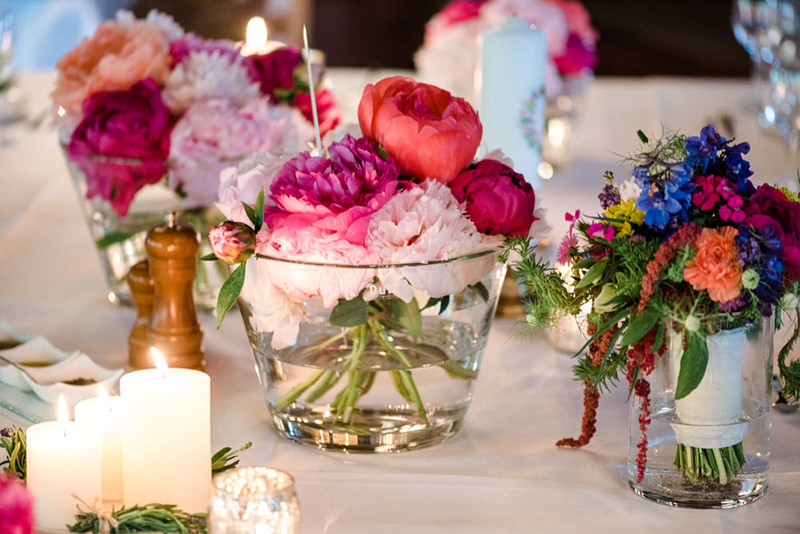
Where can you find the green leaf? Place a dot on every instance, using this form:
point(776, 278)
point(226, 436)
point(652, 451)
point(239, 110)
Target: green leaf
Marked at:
point(593, 274)
point(256, 213)
point(408, 316)
point(642, 136)
point(351, 312)
point(112, 239)
point(659, 337)
point(482, 291)
point(208, 257)
point(443, 304)
point(640, 326)
point(693, 365)
point(229, 292)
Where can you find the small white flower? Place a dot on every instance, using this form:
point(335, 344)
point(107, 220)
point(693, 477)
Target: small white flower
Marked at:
point(629, 189)
point(789, 301)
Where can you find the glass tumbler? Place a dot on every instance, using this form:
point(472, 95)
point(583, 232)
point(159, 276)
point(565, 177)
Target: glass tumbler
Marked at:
point(253, 500)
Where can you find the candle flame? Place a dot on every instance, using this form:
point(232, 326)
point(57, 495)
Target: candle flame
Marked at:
point(101, 391)
point(159, 360)
point(63, 414)
point(256, 34)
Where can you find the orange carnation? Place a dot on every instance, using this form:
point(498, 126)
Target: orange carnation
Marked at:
point(716, 267)
point(113, 59)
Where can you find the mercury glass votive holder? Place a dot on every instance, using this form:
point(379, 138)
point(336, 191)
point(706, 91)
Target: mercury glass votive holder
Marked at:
point(253, 500)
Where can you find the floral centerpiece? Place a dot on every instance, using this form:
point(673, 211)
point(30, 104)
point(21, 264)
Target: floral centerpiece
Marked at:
point(144, 103)
point(449, 51)
point(685, 270)
point(373, 264)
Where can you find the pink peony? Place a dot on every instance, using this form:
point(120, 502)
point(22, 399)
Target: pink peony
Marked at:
point(333, 196)
point(133, 124)
point(16, 507)
point(232, 242)
point(429, 132)
point(180, 49)
point(577, 57)
point(497, 199)
point(455, 12)
point(113, 59)
point(215, 134)
point(243, 183)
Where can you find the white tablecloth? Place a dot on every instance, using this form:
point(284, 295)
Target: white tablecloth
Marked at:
point(502, 473)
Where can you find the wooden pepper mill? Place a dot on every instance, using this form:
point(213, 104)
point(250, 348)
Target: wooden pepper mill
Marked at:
point(173, 327)
point(142, 291)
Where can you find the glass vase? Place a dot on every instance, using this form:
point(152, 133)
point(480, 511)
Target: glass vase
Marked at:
point(390, 369)
point(711, 448)
point(119, 240)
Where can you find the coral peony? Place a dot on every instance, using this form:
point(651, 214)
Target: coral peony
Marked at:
point(429, 132)
point(215, 134)
point(497, 199)
point(134, 125)
point(113, 59)
point(335, 195)
point(715, 266)
point(16, 507)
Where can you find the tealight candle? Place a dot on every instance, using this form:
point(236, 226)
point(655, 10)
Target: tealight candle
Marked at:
point(105, 414)
point(166, 436)
point(256, 38)
point(63, 462)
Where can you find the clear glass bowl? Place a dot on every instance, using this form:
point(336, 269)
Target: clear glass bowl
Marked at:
point(377, 374)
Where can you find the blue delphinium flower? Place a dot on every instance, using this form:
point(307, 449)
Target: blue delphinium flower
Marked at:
point(759, 249)
point(668, 200)
point(711, 154)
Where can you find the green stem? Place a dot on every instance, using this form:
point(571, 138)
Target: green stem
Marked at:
point(329, 380)
point(404, 374)
point(298, 390)
point(715, 466)
point(345, 402)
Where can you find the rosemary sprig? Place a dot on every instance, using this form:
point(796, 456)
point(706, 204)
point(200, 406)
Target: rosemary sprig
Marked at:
point(226, 458)
point(166, 518)
point(13, 441)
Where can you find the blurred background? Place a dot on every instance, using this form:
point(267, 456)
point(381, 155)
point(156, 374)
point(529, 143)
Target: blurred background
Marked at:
point(644, 37)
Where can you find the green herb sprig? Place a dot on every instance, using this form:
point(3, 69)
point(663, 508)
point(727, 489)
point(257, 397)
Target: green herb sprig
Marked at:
point(13, 441)
point(166, 518)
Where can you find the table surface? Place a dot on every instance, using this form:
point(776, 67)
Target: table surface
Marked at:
point(502, 472)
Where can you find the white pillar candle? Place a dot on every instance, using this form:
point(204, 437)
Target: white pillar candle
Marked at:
point(166, 437)
point(63, 458)
point(105, 414)
point(512, 77)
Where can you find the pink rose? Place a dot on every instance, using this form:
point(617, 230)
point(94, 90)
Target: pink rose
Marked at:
point(133, 125)
point(429, 132)
point(498, 200)
point(16, 507)
point(232, 242)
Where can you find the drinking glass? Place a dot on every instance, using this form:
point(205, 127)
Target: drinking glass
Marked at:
point(253, 500)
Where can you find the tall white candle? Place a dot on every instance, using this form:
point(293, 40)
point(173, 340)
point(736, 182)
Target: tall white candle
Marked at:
point(63, 458)
point(166, 436)
point(512, 76)
point(105, 414)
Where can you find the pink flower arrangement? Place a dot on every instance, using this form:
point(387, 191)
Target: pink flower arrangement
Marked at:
point(16, 507)
point(405, 193)
point(145, 91)
point(450, 48)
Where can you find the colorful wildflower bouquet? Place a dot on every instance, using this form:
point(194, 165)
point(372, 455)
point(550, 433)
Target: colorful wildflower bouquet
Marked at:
point(450, 49)
point(686, 263)
point(143, 101)
point(350, 261)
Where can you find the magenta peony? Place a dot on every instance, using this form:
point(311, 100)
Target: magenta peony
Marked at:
point(16, 507)
point(180, 49)
point(429, 132)
point(334, 195)
point(133, 125)
point(772, 202)
point(498, 200)
point(232, 242)
point(274, 71)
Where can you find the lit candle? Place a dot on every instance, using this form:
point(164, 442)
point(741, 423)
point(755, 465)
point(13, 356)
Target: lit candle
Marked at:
point(256, 38)
point(512, 76)
point(105, 414)
point(166, 434)
point(64, 459)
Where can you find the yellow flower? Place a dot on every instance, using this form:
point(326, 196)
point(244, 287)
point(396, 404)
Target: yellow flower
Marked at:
point(625, 211)
point(790, 195)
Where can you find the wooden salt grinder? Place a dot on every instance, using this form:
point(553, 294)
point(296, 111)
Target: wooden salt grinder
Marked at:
point(142, 291)
point(174, 329)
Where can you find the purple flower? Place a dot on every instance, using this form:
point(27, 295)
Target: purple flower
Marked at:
point(609, 196)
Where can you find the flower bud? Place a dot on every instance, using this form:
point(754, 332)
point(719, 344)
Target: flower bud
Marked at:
point(602, 303)
point(692, 323)
point(232, 242)
point(789, 301)
point(750, 279)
